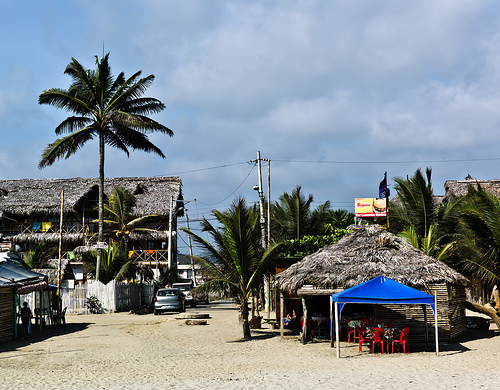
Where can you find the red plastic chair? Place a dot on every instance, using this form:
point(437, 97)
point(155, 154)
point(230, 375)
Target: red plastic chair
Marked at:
point(378, 339)
point(403, 341)
point(365, 322)
point(362, 338)
point(352, 331)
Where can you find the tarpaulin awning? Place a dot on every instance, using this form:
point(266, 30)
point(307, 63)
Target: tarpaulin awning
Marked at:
point(381, 290)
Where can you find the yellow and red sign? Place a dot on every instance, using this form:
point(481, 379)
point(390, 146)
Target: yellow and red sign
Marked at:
point(370, 207)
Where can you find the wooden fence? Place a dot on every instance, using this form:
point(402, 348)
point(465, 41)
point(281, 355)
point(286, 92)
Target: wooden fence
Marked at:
point(114, 296)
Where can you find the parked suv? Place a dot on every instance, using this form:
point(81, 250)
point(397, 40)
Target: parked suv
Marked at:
point(169, 299)
point(186, 290)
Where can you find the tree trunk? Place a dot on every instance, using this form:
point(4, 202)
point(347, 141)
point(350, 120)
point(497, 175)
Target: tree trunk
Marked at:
point(494, 313)
point(100, 235)
point(244, 320)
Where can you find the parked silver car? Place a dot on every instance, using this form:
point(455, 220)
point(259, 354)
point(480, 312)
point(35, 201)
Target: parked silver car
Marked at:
point(169, 299)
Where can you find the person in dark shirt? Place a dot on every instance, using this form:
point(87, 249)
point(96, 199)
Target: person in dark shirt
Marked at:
point(25, 318)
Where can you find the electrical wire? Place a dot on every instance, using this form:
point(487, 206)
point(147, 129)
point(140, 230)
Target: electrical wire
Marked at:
point(237, 188)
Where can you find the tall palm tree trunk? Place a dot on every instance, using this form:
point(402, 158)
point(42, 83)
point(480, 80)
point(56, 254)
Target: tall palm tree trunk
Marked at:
point(100, 235)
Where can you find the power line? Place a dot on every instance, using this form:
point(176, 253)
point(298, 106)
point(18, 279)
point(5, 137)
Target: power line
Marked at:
point(231, 194)
point(206, 169)
point(388, 162)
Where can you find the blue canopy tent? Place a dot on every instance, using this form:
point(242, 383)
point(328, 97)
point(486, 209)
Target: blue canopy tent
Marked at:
point(381, 290)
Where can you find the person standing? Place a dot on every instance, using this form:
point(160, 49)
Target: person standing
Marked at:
point(25, 319)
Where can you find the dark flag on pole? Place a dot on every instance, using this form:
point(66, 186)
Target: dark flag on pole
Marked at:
point(383, 191)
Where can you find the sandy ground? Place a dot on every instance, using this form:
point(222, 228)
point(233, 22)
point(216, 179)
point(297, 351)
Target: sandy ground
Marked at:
point(124, 351)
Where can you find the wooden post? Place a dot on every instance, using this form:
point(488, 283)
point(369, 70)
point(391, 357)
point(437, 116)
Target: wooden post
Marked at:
point(304, 325)
point(60, 246)
point(280, 316)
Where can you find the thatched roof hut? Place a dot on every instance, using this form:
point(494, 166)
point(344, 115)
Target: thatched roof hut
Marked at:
point(27, 205)
point(363, 255)
point(31, 196)
point(369, 252)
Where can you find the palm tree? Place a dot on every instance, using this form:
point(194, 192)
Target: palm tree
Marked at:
point(114, 265)
point(118, 215)
point(292, 216)
point(416, 205)
point(418, 218)
point(340, 218)
point(108, 108)
point(39, 257)
point(478, 249)
point(235, 262)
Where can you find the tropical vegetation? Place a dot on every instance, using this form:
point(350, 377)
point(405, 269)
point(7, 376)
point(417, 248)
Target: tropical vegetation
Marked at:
point(427, 225)
point(292, 216)
point(478, 250)
point(115, 265)
point(119, 218)
point(111, 109)
point(235, 262)
point(38, 258)
point(463, 231)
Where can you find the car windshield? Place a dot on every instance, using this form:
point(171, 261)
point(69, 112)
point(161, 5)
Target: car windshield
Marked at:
point(167, 293)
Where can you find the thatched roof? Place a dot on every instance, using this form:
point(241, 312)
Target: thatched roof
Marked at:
point(51, 273)
point(363, 255)
point(46, 237)
point(459, 187)
point(29, 196)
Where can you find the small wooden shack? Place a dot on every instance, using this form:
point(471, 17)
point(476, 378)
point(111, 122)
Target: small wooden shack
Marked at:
point(7, 310)
point(369, 252)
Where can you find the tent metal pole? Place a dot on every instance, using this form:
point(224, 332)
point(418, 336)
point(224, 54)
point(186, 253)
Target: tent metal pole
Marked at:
point(436, 323)
point(337, 333)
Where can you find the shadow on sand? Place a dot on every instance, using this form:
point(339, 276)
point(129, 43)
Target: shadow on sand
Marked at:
point(37, 335)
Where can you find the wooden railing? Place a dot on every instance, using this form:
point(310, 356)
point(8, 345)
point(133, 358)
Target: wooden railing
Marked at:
point(68, 228)
point(152, 255)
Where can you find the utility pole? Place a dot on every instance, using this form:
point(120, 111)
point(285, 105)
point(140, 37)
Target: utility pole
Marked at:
point(170, 231)
point(193, 270)
point(261, 204)
point(266, 239)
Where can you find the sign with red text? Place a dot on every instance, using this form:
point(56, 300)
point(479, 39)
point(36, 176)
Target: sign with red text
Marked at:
point(370, 207)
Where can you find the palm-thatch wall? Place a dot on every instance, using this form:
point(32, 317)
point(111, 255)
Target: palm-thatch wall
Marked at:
point(7, 303)
point(370, 252)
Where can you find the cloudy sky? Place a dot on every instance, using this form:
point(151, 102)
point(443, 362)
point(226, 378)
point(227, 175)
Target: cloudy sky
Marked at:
point(333, 93)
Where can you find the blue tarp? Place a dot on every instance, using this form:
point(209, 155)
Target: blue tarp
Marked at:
point(381, 290)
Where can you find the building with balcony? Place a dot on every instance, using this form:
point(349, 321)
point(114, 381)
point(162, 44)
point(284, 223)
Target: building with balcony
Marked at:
point(30, 213)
